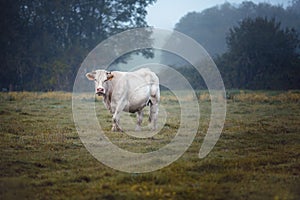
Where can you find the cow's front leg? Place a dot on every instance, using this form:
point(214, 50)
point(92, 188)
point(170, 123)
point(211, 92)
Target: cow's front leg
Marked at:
point(117, 109)
point(139, 116)
point(116, 122)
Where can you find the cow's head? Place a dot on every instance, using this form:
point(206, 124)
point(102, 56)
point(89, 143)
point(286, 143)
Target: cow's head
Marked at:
point(100, 77)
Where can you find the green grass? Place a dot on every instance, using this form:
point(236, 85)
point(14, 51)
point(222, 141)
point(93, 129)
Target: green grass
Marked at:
point(257, 156)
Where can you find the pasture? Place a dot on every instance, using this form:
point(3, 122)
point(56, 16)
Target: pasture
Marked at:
point(256, 157)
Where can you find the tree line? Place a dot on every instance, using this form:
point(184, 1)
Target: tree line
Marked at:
point(211, 26)
point(44, 42)
point(255, 46)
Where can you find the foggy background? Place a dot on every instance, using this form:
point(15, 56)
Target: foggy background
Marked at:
point(255, 44)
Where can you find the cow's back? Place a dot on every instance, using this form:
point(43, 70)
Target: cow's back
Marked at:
point(134, 88)
point(148, 76)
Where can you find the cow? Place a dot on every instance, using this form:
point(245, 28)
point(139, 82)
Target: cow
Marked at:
point(128, 91)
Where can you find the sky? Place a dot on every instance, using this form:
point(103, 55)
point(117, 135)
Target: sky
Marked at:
point(166, 13)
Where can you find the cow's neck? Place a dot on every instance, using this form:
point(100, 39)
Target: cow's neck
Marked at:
point(107, 97)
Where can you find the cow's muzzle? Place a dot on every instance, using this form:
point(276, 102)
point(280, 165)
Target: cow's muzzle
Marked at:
point(100, 91)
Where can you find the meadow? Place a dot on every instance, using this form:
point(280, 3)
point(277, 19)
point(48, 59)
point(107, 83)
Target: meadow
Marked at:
point(256, 157)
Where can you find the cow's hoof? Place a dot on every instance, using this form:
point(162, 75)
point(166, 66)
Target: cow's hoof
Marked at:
point(138, 128)
point(116, 129)
point(154, 128)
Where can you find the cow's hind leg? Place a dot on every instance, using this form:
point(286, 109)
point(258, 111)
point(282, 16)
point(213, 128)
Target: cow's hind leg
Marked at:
point(153, 112)
point(139, 116)
point(153, 115)
point(154, 100)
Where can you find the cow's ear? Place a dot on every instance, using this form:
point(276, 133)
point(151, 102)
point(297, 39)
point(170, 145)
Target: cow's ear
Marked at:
point(90, 76)
point(109, 75)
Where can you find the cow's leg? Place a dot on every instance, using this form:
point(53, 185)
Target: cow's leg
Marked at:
point(116, 115)
point(116, 122)
point(139, 116)
point(153, 115)
point(153, 112)
point(154, 100)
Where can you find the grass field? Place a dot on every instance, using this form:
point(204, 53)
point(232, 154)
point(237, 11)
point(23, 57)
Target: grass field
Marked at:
point(256, 157)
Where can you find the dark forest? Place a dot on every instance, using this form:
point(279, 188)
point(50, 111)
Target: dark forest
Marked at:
point(255, 46)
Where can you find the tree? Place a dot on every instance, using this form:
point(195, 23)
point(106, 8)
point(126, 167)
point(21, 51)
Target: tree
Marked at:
point(44, 42)
point(261, 55)
point(295, 7)
point(11, 33)
point(211, 26)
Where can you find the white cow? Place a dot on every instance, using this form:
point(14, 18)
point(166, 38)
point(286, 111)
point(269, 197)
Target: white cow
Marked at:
point(129, 92)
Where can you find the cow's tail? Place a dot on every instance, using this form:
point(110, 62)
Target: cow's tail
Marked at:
point(153, 102)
